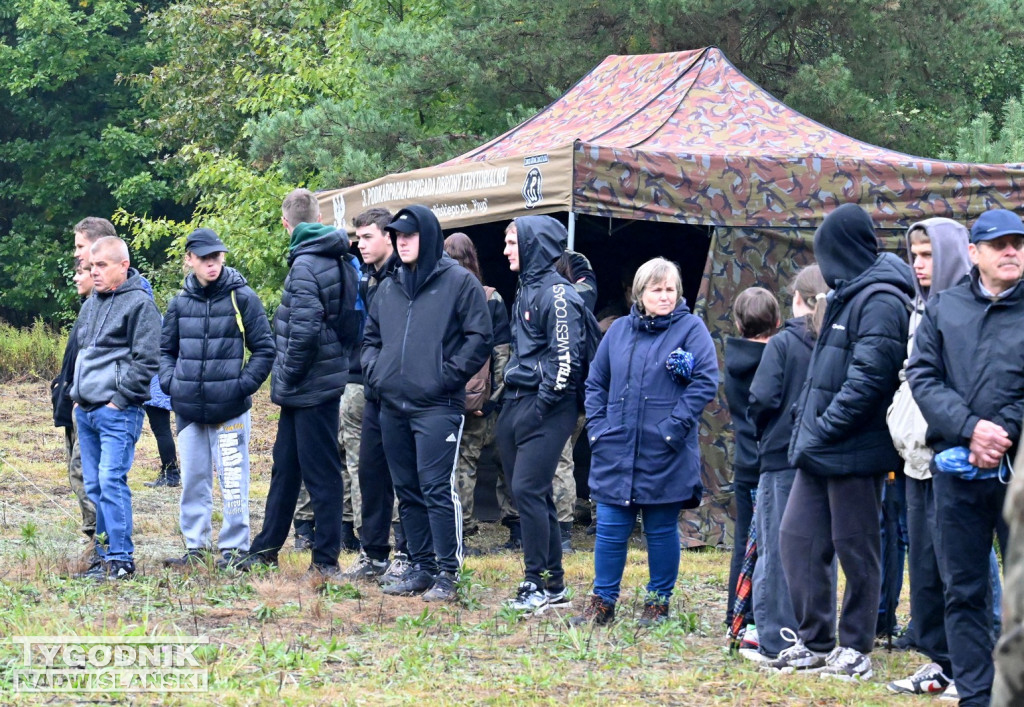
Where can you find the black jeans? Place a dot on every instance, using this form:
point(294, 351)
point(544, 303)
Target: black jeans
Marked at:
point(927, 599)
point(375, 485)
point(744, 493)
point(829, 517)
point(305, 452)
point(160, 424)
point(967, 513)
point(530, 447)
point(422, 450)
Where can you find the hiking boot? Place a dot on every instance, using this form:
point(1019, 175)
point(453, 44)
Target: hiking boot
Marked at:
point(847, 664)
point(303, 535)
point(120, 569)
point(254, 560)
point(172, 475)
point(97, 570)
point(515, 536)
point(443, 589)
point(950, 694)
point(928, 680)
point(396, 570)
point(195, 557)
point(229, 559)
point(414, 582)
point(597, 611)
point(655, 612)
point(529, 598)
point(566, 530)
point(796, 658)
point(349, 541)
point(365, 569)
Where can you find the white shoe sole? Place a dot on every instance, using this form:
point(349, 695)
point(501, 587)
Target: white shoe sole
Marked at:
point(754, 655)
point(857, 677)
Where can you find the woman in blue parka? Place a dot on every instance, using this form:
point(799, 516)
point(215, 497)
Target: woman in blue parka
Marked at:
point(653, 374)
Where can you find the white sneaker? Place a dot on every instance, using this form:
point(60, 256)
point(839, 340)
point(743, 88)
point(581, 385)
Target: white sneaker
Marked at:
point(928, 680)
point(847, 664)
point(753, 655)
point(529, 598)
point(950, 694)
point(797, 657)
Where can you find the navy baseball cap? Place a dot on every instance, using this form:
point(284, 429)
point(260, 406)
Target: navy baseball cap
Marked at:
point(405, 222)
point(203, 242)
point(996, 224)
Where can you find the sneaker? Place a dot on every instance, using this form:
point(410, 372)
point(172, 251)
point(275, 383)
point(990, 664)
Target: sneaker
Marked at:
point(529, 598)
point(950, 694)
point(754, 655)
point(303, 542)
point(253, 560)
point(229, 559)
point(120, 569)
point(97, 570)
point(322, 572)
point(655, 612)
point(797, 657)
point(415, 581)
point(597, 612)
point(396, 570)
point(557, 598)
point(748, 638)
point(195, 557)
point(364, 569)
point(845, 663)
point(443, 589)
point(928, 680)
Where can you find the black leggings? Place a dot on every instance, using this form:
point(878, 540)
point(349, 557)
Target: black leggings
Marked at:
point(160, 423)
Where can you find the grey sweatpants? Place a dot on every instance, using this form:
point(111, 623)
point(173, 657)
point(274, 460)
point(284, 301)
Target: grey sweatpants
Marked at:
point(204, 449)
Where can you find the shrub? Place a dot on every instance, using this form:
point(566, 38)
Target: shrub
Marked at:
point(33, 352)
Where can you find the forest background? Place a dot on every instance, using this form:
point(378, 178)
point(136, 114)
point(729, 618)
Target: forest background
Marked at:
point(166, 116)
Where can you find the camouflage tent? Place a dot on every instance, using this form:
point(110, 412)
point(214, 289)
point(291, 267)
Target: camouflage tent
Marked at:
point(685, 138)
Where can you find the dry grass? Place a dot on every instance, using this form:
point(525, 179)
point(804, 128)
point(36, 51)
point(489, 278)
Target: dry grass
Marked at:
point(281, 639)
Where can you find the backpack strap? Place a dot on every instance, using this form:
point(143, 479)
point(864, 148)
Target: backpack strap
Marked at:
point(238, 320)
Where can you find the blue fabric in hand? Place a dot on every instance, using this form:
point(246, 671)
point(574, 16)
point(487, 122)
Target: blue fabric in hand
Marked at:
point(680, 366)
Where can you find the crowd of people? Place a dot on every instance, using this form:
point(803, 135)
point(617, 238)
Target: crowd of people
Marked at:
point(394, 370)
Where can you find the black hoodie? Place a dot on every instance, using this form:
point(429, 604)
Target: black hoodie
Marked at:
point(428, 330)
point(742, 357)
point(548, 326)
point(776, 387)
point(202, 349)
point(311, 366)
point(840, 423)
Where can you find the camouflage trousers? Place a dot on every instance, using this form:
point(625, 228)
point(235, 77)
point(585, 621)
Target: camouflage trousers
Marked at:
point(86, 505)
point(477, 433)
point(351, 424)
point(563, 487)
point(1008, 685)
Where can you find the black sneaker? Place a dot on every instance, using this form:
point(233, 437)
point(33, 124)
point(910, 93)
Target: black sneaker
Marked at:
point(303, 542)
point(120, 569)
point(254, 560)
point(597, 611)
point(97, 570)
point(443, 589)
point(397, 570)
point(195, 557)
point(655, 612)
point(415, 582)
point(229, 559)
point(322, 572)
point(365, 569)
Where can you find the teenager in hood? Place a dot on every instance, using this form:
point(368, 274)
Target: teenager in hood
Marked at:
point(842, 450)
point(428, 332)
point(308, 377)
point(542, 378)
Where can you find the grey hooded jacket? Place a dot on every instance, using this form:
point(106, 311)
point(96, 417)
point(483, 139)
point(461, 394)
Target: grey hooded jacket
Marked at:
point(119, 346)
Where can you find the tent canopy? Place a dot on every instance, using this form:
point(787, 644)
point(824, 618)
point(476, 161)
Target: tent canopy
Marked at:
point(682, 137)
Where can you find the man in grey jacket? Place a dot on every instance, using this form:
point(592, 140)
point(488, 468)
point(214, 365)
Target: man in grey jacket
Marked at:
point(119, 344)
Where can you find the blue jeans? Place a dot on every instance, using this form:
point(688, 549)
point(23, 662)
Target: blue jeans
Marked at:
point(615, 525)
point(773, 607)
point(107, 437)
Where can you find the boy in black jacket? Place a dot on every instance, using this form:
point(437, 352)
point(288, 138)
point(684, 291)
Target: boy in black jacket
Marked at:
point(428, 332)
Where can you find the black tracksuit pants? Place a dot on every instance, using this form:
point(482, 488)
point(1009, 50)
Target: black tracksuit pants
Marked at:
point(927, 598)
point(967, 513)
point(828, 517)
point(376, 487)
point(422, 449)
point(305, 451)
point(529, 448)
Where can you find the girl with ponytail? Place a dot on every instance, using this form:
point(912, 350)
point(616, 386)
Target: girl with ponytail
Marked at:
point(774, 390)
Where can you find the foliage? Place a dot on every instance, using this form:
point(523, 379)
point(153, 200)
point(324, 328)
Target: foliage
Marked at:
point(980, 141)
point(32, 352)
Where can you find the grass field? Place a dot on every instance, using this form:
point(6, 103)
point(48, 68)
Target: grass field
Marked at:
point(277, 638)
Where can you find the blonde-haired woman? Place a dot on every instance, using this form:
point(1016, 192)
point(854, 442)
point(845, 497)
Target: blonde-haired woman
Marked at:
point(654, 373)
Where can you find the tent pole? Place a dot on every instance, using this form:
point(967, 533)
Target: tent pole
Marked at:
point(572, 231)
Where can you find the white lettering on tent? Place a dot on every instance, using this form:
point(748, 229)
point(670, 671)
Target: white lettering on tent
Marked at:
point(427, 187)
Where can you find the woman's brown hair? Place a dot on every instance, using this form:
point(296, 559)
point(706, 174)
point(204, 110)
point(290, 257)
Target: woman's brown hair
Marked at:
point(460, 247)
point(811, 287)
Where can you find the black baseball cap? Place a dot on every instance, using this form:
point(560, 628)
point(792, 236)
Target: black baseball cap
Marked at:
point(405, 222)
point(203, 242)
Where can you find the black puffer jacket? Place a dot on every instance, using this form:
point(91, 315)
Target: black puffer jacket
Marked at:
point(201, 351)
point(60, 387)
point(968, 363)
point(428, 330)
point(776, 388)
point(742, 357)
point(548, 325)
point(311, 365)
point(840, 425)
